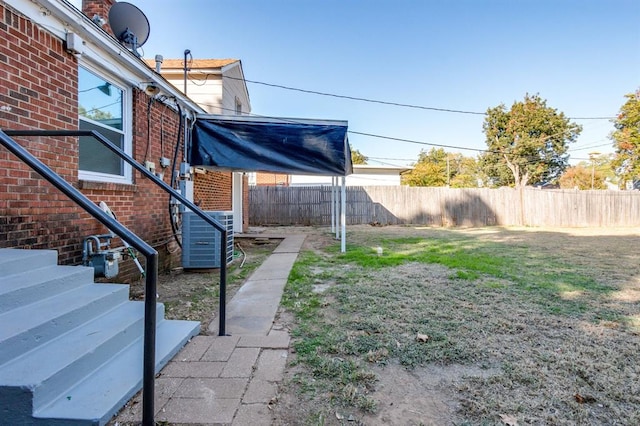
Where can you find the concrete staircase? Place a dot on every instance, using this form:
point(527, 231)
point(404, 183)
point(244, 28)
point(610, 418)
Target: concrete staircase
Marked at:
point(71, 350)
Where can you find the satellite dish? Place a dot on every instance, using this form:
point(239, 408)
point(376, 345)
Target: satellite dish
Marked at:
point(129, 25)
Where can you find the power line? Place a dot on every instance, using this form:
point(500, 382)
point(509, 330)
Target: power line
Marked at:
point(414, 141)
point(293, 121)
point(591, 146)
point(391, 164)
point(200, 82)
point(530, 159)
point(377, 101)
point(591, 118)
point(392, 159)
point(374, 101)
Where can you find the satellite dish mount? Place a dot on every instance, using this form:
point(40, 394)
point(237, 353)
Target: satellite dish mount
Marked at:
point(129, 25)
point(130, 40)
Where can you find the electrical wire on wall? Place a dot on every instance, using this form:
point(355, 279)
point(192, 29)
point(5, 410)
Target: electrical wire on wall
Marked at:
point(162, 132)
point(146, 152)
point(189, 142)
point(185, 138)
point(173, 212)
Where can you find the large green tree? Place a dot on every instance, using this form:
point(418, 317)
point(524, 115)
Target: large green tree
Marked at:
point(429, 170)
point(602, 164)
point(626, 139)
point(527, 143)
point(464, 172)
point(439, 168)
point(94, 113)
point(582, 177)
point(590, 174)
point(358, 158)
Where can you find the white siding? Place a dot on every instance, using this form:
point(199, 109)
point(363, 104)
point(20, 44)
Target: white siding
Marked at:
point(234, 88)
point(352, 180)
point(204, 91)
point(363, 175)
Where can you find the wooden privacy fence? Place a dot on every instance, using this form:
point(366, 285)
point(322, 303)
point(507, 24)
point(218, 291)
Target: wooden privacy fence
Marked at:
point(390, 205)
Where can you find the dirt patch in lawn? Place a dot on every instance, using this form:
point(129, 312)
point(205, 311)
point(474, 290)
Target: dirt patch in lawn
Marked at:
point(544, 329)
point(419, 396)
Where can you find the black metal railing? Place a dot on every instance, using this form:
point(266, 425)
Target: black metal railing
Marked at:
point(151, 255)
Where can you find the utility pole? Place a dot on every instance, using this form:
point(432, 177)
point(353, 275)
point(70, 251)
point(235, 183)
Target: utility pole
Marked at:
point(448, 172)
point(592, 157)
point(186, 69)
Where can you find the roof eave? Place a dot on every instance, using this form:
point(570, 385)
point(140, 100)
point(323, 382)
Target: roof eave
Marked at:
point(74, 21)
point(271, 120)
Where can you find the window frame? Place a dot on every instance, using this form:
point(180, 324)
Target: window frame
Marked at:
point(127, 118)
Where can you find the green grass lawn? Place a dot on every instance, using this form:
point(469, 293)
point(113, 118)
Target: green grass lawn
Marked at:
point(546, 324)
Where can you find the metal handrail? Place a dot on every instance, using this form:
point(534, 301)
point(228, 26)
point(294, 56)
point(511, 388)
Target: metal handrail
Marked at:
point(135, 241)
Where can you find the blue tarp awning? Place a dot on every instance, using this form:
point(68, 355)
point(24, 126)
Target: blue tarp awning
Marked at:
point(277, 145)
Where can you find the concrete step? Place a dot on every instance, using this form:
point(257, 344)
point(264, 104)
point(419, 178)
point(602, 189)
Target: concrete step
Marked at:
point(35, 284)
point(71, 351)
point(15, 261)
point(96, 399)
point(29, 326)
point(61, 362)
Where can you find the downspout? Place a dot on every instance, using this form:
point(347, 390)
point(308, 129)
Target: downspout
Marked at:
point(173, 178)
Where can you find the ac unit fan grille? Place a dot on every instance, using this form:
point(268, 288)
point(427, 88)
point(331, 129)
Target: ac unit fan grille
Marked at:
point(201, 242)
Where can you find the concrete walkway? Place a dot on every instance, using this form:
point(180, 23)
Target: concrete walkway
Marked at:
point(230, 380)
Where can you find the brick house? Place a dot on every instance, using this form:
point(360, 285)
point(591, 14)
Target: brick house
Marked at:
point(61, 70)
point(62, 334)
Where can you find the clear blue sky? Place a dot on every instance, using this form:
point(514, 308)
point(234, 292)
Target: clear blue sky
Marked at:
point(582, 56)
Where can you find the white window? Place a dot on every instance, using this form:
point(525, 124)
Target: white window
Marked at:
point(103, 106)
point(238, 106)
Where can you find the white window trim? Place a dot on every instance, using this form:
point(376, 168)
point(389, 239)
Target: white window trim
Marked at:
point(127, 119)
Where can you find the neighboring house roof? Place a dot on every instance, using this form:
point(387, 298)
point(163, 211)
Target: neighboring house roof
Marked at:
point(371, 169)
point(193, 64)
point(363, 175)
point(94, 44)
point(230, 70)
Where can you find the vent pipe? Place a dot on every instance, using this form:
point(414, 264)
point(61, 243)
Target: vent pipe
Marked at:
point(159, 60)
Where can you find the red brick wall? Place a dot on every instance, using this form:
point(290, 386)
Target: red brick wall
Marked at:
point(143, 207)
point(271, 179)
point(38, 90)
point(38, 82)
point(98, 7)
point(213, 190)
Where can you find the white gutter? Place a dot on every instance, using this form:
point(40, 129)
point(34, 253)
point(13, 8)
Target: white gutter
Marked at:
point(273, 120)
point(60, 18)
